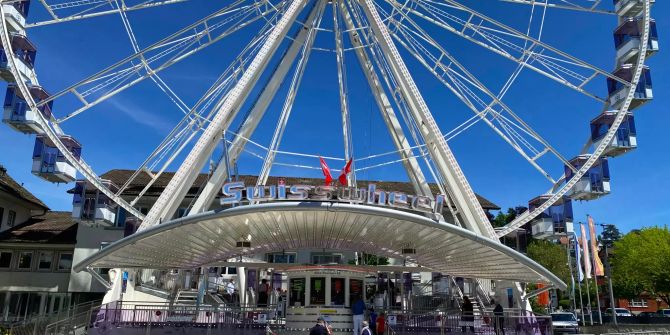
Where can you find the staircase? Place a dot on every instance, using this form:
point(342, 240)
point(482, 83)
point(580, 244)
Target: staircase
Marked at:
point(186, 297)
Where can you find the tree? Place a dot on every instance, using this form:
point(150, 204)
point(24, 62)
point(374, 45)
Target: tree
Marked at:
point(610, 235)
point(503, 219)
point(641, 263)
point(552, 256)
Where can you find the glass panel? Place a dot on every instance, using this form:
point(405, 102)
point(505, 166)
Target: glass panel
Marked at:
point(5, 259)
point(25, 260)
point(65, 261)
point(355, 290)
point(317, 291)
point(337, 291)
point(46, 258)
point(297, 292)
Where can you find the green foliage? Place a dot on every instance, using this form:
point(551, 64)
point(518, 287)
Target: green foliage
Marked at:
point(503, 218)
point(641, 263)
point(552, 256)
point(368, 259)
point(610, 235)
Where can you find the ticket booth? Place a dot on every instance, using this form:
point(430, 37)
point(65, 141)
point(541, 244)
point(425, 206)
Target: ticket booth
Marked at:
point(329, 292)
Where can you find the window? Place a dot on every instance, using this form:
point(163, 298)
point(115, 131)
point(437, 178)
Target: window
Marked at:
point(25, 260)
point(280, 257)
point(65, 261)
point(11, 217)
point(45, 261)
point(637, 303)
point(5, 259)
point(326, 258)
point(317, 291)
point(2, 215)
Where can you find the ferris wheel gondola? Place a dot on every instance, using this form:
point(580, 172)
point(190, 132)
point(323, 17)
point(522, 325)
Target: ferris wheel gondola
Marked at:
point(383, 35)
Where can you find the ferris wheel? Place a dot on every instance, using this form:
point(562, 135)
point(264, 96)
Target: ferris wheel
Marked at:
point(401, 49)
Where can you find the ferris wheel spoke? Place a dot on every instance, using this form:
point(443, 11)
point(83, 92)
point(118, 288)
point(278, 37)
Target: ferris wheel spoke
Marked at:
point(475, 95)
point(160, 56)
point(576, 5)
point(516, 46)
point(85, 9)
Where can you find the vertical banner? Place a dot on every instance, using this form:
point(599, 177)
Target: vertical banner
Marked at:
point(599, 269)
point(542, 298)
point(585, 249)
point(578, 261)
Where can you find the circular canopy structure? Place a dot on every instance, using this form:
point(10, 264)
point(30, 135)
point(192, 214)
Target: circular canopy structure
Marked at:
point(213, 237)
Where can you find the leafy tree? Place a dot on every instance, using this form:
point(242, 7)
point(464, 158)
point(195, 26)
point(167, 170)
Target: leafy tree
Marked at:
point(610, 235)
point(368, 259)
point(503, 218)
point(641, 263)
point(552, 256)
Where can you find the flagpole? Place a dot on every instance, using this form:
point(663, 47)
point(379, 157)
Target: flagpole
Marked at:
point(572, 277)
point(587, 275)
point(595, 278)
point(581, 304)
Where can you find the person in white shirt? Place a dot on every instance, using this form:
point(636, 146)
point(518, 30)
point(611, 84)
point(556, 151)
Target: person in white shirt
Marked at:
point(230, 289)
point(366, 328)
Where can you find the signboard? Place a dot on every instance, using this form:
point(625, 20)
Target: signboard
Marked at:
point(392, 320)
point(235, 193)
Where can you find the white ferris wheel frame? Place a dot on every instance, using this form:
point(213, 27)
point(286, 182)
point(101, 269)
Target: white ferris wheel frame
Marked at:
point(52, 129)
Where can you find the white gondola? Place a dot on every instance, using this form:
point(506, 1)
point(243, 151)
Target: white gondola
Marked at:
point(594, 184)
point(625, 139)
point(618, 91)
point(18, 115)
point(15, 15)
point(555, 221)
point(627, 39)
point(25, 53)
point(90, 206)
point(629, 8)
point(50, 164)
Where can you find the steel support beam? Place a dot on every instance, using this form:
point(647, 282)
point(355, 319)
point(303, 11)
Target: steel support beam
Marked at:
point(459, 189)
point(183, 179)
point(218, 178)
point(400, 141)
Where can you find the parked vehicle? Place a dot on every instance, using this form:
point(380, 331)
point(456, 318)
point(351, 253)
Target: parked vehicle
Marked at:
point(664, 312)
point(564, 323)
point(619, 312)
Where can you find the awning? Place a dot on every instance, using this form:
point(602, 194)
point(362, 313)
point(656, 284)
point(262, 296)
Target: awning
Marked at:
point(214, 237)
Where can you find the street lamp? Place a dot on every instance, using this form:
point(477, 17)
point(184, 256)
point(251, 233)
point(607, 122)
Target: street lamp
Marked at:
point(608, 270)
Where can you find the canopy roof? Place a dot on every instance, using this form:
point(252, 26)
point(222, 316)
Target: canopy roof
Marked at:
point(213, 237)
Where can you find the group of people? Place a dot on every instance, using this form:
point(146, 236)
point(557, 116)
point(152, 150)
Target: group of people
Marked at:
point(468, 317)
point(375, 324)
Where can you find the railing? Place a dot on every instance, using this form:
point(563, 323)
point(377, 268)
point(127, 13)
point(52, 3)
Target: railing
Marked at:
point(39, 324)
point(481, 324)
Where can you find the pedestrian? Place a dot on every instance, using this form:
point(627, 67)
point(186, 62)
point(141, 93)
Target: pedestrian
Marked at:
point(358, 309)
point(499, 318)
point(230, 290)
point(467, 315)
point(263, 290)
point(373, 321)
point(320, 327)
point(381, 324)
point(366, 328)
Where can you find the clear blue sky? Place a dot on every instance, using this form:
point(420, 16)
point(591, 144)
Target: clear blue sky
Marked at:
point(121, 132)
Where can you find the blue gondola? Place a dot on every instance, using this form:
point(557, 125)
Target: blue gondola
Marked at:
point(629, 8)
point(16, 111)
point(25, 53)
point(627, 39)
point(555, 221)
point(625, 139)
point(90, 206)
point(15, 15)
point(50, 164)
point(618, 91)
point(594, 184)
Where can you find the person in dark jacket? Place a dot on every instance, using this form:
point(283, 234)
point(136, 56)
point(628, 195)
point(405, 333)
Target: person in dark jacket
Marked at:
point(319, 328)
point(499, 318)
point(467, 316)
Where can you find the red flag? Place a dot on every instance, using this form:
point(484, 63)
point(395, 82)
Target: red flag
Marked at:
point(345, 171)
point(326, 171)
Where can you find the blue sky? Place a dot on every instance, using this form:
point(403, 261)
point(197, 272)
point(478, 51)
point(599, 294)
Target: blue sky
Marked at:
point(120, 133)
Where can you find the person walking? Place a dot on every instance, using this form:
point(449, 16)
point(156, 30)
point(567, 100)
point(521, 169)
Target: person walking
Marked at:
point(263, 290)
point(366, 328)
point(320, 327)
point(358, 309)
point(230, 290)
point(467, 315)
point(381, 324)
point(373, 320)
point(499, 318)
